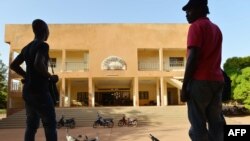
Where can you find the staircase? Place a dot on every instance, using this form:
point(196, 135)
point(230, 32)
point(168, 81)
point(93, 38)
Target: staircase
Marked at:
point(85, 116)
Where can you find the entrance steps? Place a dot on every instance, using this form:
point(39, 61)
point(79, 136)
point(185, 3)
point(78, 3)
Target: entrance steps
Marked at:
point(85, 116)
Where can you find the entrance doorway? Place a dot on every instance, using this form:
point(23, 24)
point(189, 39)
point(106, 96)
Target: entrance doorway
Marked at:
point(113, 98)
point(172, 96)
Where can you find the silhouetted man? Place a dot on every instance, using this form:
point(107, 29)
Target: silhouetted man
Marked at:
point(203, 79)
point(38, 100)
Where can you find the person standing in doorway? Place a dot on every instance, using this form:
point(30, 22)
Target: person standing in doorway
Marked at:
point(203, 80)
point(38, 101)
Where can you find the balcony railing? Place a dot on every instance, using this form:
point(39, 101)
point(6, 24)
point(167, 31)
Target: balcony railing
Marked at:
point(148, 66)
point(76, 66)
point(16, 87)
point(173, 67)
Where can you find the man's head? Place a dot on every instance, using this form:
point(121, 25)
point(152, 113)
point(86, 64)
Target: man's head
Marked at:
point(195, 9)
point(40, 29)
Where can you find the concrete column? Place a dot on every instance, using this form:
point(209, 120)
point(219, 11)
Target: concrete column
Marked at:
point(63, 68)
point(158, 99)
point(69, 93)
point(9, 105)
point(135, 93)
point(162, 92)
point(165, 93)
point(178, 96)
point(91, 92)
point(62, 93)
point(160, 59)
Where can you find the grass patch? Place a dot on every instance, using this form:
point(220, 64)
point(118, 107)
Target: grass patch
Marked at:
point(2, 111)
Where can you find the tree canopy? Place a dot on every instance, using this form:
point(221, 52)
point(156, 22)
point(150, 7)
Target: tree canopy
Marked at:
point(238, 68)
point(3, 85)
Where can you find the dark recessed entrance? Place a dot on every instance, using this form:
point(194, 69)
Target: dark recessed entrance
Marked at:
point(113, 98)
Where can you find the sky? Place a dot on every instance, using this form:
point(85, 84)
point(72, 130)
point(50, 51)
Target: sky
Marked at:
point(230, 15)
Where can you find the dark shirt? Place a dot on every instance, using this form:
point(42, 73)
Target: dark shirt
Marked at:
point(35, 82)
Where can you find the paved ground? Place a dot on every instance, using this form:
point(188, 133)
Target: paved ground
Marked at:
point(164, 132)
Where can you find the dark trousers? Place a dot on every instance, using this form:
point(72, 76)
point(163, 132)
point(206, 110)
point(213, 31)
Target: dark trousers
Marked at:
point(40, 108)
point(205, 111)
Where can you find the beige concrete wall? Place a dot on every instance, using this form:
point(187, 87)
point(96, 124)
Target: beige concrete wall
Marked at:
point(96, 42)
point(75, 56)
point(104, 40)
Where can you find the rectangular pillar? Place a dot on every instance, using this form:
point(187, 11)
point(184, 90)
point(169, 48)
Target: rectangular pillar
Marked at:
point(63, 60)
point(68, 100)
point(165, 92)
point(62, 93)
point(158, 97)
point(9, 103)
point(135, 93)
point(160, 59)
point(178, 96)
point(163, 96)
point(91, 92)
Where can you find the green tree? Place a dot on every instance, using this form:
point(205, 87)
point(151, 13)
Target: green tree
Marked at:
point(242, 88)
point(238, 70)
point(235, 64)
point(3, 85)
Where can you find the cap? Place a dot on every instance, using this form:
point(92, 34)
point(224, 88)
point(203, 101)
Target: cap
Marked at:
point(194, 3)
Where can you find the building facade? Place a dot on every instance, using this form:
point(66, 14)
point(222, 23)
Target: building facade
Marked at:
point(108, 64)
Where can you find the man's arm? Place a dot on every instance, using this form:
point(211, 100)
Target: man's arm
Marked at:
point(190, 68)
point(16, 65)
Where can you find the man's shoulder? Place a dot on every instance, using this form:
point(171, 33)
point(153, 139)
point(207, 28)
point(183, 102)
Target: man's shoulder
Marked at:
point(26, 47)
point(204, 22)
point(29, 44)
point(43, 46)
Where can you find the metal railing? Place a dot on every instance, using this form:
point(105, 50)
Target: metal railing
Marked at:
point(76, 66)
point(16, 87)
point(169, 67)
point(148, 66)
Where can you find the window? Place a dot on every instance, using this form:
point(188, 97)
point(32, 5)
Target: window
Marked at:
point(143, 94)
point(176, 61)
point(53, 62)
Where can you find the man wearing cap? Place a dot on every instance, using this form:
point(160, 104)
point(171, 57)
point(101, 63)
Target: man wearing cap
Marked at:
point(203, 79)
